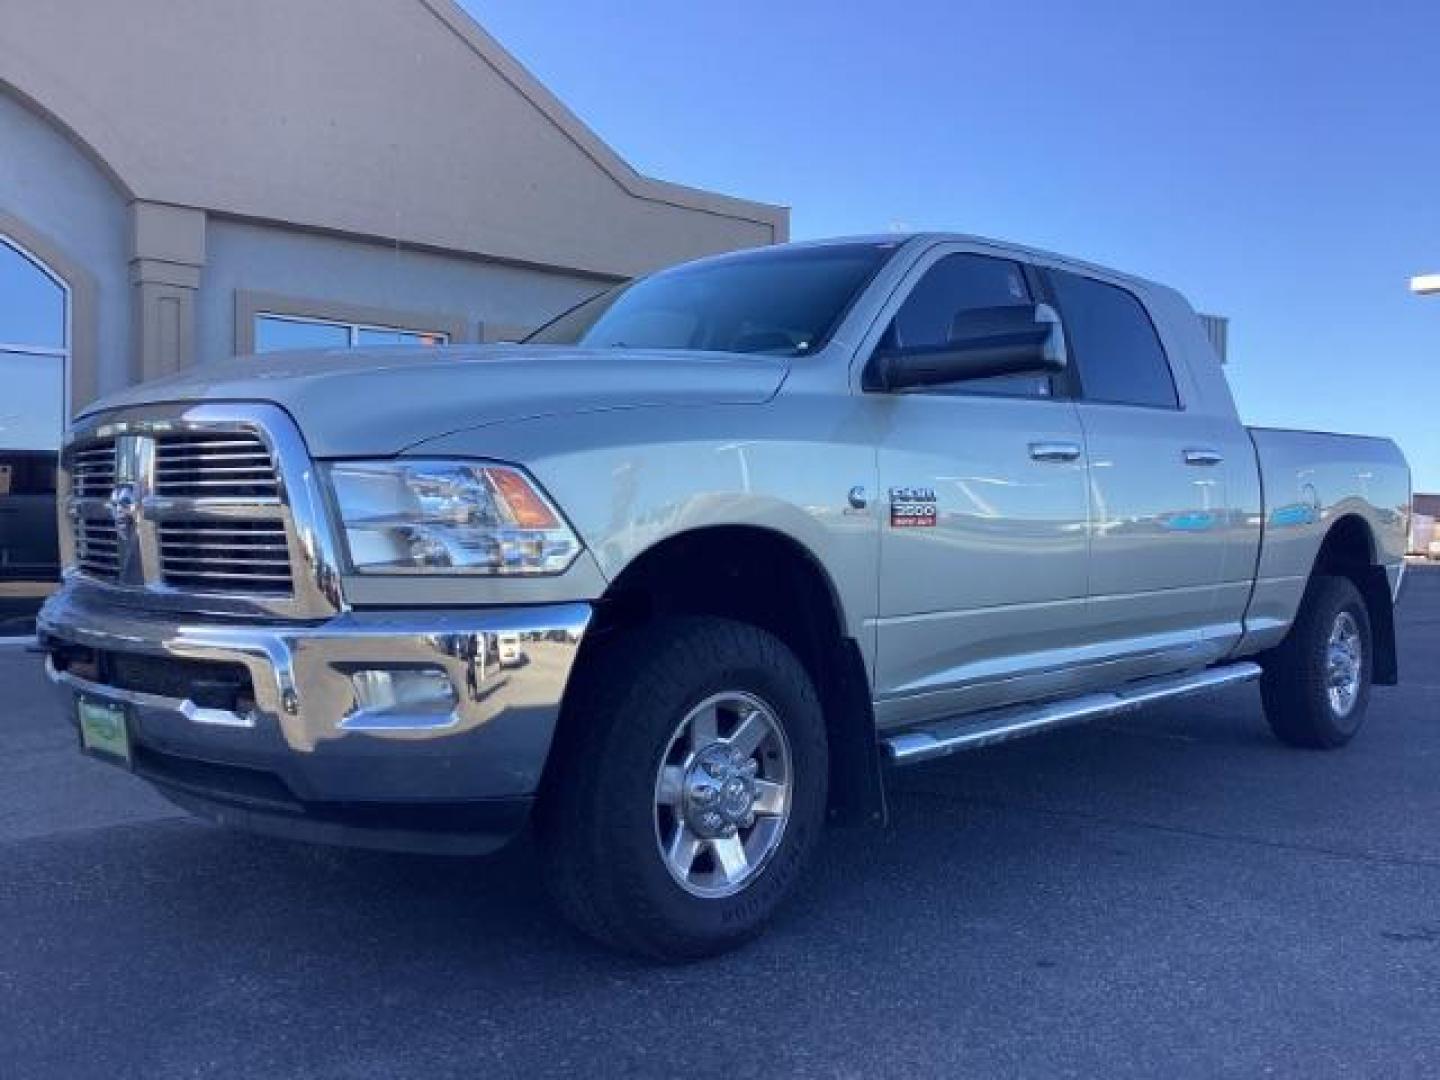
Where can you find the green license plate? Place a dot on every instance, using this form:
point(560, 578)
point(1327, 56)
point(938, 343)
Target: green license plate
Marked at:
point(103, 730)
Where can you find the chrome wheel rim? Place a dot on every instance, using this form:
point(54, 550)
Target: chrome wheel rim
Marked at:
point(722, 794)
point(1344, 664)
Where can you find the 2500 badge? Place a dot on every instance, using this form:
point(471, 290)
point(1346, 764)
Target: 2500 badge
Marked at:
point(912, 508)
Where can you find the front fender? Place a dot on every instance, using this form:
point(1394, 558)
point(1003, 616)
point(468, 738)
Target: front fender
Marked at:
point(628, 479)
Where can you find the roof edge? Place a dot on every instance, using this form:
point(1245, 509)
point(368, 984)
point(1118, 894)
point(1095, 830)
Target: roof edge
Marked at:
point(488, 49)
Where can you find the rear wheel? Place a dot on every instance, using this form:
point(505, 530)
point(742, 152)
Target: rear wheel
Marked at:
point(688, 790)
point(1316, 686)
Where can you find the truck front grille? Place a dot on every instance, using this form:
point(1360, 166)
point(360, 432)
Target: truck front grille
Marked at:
point(218, 465)
point(198, 510)
point(97, 549)
point(92, 471)
point(203, 556)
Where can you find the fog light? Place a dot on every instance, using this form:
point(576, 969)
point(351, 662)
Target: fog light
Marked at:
point(419, 691)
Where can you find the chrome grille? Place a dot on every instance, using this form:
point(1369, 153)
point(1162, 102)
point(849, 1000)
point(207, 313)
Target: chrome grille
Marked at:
point(97, 549)
point(214, 465)
point(92, 470)
point(203, 556)
point(195, 504)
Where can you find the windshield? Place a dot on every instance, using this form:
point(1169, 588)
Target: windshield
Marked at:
point(780, 301)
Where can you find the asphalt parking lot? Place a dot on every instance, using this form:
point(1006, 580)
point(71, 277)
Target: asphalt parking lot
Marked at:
point(1173, 893)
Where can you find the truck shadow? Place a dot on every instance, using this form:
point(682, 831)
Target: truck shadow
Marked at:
point(1040, 860)
point(479, 916)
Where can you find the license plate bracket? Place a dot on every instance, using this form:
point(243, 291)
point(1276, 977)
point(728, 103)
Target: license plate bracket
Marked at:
point(104, 730)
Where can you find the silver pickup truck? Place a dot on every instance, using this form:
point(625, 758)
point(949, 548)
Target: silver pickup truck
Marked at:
point(680, 577)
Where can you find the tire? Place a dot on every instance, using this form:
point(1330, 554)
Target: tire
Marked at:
point(1296, 685)
point(633, 769)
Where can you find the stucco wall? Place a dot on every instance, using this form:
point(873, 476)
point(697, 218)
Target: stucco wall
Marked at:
point(242, 257)
point(398, 119)
point(49, 187)
point(381, 156)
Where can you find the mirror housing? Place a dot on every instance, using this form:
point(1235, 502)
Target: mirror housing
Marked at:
point(1020, 339)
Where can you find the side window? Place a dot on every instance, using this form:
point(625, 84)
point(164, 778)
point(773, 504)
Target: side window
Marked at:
point(955, 284)
point(1114, 344)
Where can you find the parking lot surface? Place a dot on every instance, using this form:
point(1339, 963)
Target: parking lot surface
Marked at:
point(1173, 893)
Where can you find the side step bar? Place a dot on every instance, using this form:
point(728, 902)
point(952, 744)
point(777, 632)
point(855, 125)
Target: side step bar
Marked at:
point(1001, 725)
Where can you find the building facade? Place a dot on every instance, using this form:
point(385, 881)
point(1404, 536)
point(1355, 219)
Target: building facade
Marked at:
point(183, 181)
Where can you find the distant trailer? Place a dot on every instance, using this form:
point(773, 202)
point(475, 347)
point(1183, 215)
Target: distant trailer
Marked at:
point(1424, 539)
point(1424, 531)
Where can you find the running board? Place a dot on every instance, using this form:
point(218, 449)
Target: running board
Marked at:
point(1001, 725)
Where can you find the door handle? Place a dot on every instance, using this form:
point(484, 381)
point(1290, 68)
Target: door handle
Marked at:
point(1203, 455)
point(1054, 451)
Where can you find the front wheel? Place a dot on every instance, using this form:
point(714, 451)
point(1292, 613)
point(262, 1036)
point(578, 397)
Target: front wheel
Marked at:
point(1316, 685)
point(688, 789)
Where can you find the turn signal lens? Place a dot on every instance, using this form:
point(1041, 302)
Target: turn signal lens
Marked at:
point(525, 503)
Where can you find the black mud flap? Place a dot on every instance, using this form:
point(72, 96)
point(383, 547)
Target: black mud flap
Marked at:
point(857, 783)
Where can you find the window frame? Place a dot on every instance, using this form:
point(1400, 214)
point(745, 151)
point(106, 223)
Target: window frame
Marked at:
point(1062, 386)
point(1074, 374)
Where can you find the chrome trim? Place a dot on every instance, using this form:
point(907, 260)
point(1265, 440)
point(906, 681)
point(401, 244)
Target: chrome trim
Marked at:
point(1054, 451)
point(184, 707)
point(366, 721)
point(1203, 455)
point(1001, 725)
point(300, 503)
point(301, 674)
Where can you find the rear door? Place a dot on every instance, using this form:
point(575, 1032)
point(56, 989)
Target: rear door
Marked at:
point(1159, 500)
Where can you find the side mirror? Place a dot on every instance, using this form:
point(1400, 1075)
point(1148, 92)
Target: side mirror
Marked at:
point(1021, 339)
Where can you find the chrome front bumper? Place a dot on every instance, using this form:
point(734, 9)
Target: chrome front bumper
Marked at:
point(294, 734)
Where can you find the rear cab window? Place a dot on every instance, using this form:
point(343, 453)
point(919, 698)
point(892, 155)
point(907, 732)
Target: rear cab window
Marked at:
point(1113, 344)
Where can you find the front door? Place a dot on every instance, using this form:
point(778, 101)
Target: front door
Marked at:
point(984, 547)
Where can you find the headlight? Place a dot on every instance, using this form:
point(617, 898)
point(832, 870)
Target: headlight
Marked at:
point(448, 517)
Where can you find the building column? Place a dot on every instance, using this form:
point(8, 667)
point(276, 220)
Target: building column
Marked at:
point(167, 252)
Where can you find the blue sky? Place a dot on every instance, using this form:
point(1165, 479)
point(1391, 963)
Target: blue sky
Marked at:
point(1279, 162)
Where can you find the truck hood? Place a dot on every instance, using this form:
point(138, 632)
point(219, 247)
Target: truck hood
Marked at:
point(380, 401)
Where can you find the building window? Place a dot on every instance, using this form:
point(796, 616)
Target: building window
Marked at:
point(273, 332)
point(34, 351)
point(34, 374)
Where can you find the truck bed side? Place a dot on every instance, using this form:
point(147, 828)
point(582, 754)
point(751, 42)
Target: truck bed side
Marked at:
point(1311, 482)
